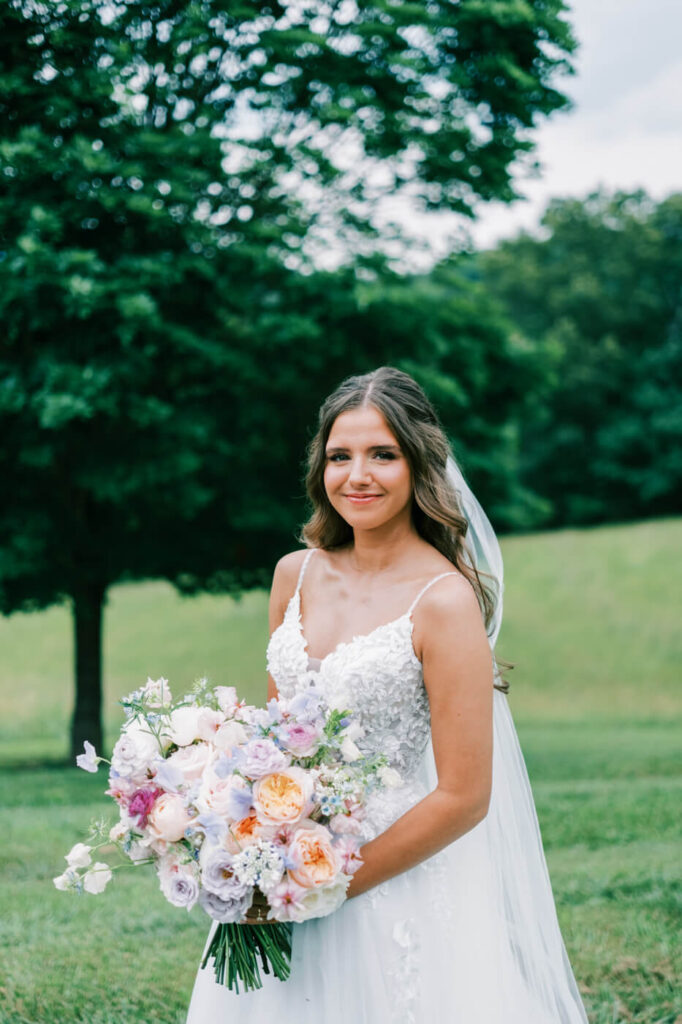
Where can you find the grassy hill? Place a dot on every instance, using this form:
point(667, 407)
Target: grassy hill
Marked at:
point(592, 625)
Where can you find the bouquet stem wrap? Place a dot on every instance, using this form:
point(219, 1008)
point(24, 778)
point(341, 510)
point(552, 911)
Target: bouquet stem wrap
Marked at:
point(236, 949)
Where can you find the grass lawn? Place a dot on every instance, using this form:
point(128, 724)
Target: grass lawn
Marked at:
point(590, 620)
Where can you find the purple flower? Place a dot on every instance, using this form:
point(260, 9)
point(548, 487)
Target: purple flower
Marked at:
point(141, 803)
point(262, 757)
point(218, 877)
point(225, 911)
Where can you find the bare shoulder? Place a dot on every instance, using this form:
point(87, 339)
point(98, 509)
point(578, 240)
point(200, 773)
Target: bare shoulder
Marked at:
point(449, 607)
point(284, 580)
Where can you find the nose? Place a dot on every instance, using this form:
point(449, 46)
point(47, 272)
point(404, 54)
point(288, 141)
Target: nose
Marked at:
point(359, 471)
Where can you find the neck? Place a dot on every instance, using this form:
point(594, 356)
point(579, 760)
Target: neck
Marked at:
point(376, 550)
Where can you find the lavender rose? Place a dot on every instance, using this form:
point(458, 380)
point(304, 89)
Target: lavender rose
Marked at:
point(263, 757)
point(227, 911)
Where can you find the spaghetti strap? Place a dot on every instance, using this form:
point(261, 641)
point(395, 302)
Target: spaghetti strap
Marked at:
point(424, 589)
point(304, 566)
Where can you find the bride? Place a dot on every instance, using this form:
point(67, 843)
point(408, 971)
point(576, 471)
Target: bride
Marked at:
point(395, 605)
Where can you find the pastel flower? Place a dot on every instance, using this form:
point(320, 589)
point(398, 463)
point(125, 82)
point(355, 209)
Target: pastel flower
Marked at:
point(347, 849)
point(208, 723)
point(301, 738)
point(156, 693)
point(284, 796)
point(286, 901)
point(89, 761)
point(226, 697)
point(389, 777)
point(262, 757)
point(230, 797)
point(168, 818)
point(135, 749)
point(217, 875)
point(230, 734)
point(311, 847)
point(191, 760)
point(324, 899)
point(69, 880)
point(141, 803)
point(178, 882)
point(225, 911)
point(79, 856)
point(184, 725)
point(349, 750)
point(96, 879)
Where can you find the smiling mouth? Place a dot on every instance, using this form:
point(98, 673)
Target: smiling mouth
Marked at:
point(361, 497)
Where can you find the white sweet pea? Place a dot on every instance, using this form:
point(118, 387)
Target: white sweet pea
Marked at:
point(354, 731)
point(389, 777)
point(68, 880)
point(349, 751)
point(95, 880)
point(89, 761)
point(79, 856)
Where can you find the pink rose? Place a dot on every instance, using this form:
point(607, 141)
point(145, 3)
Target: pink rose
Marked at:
point(312, 850)
point(168, 818)
point(141, 803)
point(301, 738)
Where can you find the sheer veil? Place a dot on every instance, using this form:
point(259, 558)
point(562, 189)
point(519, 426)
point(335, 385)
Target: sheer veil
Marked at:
point(518, 915)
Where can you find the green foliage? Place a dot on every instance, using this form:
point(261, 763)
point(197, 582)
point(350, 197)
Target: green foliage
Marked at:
point(601, 298)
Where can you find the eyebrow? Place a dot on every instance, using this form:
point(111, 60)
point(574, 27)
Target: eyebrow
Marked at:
point(372, 448)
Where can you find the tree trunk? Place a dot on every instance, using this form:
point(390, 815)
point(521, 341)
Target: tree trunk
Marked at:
point(88, 602)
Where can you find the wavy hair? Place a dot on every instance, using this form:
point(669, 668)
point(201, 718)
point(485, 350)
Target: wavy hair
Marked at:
point(435, 507)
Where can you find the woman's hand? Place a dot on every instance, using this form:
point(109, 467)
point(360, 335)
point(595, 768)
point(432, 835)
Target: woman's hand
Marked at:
point(256, 914)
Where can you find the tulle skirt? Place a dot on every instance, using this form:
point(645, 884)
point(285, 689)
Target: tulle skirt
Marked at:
point(469, 936)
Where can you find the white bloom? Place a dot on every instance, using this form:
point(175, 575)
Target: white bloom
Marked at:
point(184, 725)
point(208, 723)
point(156, 693)
point(354, 731)
point(389, 777)
point(191, 760)
point(230, 734)
point(118, 832)
point(323, 900)
point(227, 698)
point(89, 761)
point(168, 818)
point(95, 880)
point(135, 749)
point(349, 751)
point(69, 880)
point(79, 856)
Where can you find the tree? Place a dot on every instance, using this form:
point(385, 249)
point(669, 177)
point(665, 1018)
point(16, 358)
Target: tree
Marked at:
point(168, 171)
point(601, 296)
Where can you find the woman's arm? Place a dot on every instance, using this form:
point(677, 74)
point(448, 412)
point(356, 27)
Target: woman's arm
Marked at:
point(458, 675)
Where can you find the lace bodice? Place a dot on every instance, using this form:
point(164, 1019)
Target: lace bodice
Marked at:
point(377, 675)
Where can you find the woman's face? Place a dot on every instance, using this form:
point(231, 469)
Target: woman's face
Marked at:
point(367, 477)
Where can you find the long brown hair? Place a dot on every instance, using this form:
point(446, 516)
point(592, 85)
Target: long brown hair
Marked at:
point(435, 507)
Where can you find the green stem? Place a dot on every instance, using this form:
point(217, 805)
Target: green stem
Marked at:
point(235, 950)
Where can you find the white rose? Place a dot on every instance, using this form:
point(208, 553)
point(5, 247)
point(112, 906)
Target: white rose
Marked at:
point(230, 734)
point(349, 751)
point(214, 794)
point(184, 725)
point(389, 777)
point(79, 856)
point(323, 900)
point(192, 760)
point(135, 749)
point(168, 818)
point(96, 879)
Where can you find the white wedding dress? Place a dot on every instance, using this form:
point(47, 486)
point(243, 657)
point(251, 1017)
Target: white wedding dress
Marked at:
point(455, 939)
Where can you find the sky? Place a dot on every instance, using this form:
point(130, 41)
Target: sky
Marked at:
point(625, 128)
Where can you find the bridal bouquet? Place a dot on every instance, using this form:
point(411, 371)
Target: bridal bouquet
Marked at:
point(236, 807)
